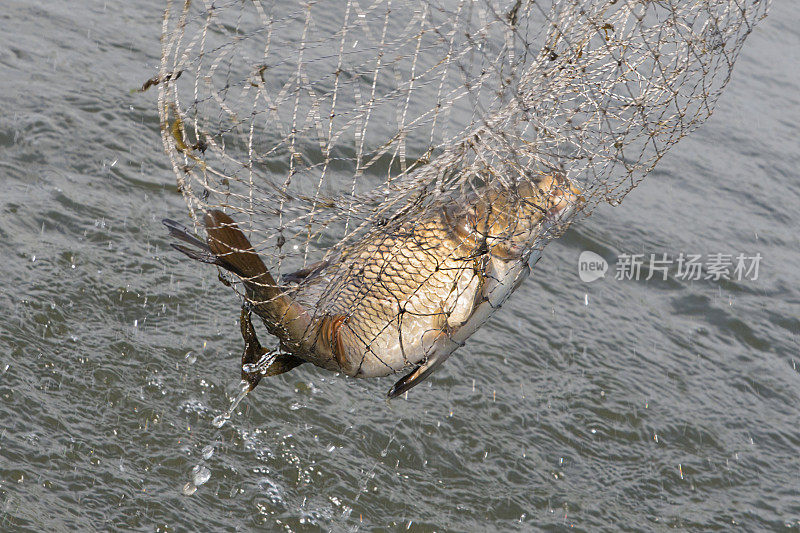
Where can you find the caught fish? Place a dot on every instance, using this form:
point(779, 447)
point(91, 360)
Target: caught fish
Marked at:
point(404, 297)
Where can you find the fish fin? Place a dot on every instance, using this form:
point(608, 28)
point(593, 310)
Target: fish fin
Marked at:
point(304, 273)
point(330, 339)
point(179, 231)
point(419, 374)
point(253, 352)
point(228, 243)
point(201, 252)
point(226, 247)
point(199, 255)
point(283, 362)
point(283, 317)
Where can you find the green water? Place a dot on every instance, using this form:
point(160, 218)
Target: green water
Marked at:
point(612, 405)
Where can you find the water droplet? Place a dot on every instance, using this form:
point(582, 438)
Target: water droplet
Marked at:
point(220, 420)
point(208, 452)
point(189, 489)
point(190, 357)
point(200, 474)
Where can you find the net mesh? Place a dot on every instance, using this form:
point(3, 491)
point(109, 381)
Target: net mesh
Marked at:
point(339, 131)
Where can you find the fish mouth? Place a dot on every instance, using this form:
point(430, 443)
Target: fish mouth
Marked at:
point(563, 200)
point(554, 213)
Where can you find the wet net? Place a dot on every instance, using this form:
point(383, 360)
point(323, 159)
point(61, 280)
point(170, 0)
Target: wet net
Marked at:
point(397, 164)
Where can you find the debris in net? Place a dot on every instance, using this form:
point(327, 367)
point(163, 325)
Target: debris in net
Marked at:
point(155, 80)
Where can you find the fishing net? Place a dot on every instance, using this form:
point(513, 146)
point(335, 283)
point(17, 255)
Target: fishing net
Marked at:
point(345, 131)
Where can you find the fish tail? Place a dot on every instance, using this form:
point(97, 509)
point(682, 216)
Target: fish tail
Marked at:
point(229, 245)
point(199, 250)
point(227, 242)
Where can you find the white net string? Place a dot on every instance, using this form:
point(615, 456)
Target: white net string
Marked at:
point(315, 124)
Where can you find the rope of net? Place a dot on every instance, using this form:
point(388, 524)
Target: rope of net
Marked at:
point(312, 124)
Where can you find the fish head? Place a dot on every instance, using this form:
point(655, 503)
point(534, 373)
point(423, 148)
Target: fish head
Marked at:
point(509, 219)
point(554, 198)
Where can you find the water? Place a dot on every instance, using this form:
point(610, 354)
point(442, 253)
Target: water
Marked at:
point(612, 405)
point(221, 419)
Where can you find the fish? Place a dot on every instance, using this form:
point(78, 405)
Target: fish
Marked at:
point(402, 298)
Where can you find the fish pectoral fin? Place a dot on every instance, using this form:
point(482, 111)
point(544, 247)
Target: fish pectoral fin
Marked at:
point(417, 375)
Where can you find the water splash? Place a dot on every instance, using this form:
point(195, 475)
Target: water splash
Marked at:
point(208, 452)
point(201, 473)
point(262, 364)
point(220, 420)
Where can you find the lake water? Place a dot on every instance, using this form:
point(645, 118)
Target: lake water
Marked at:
point(611, 405)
